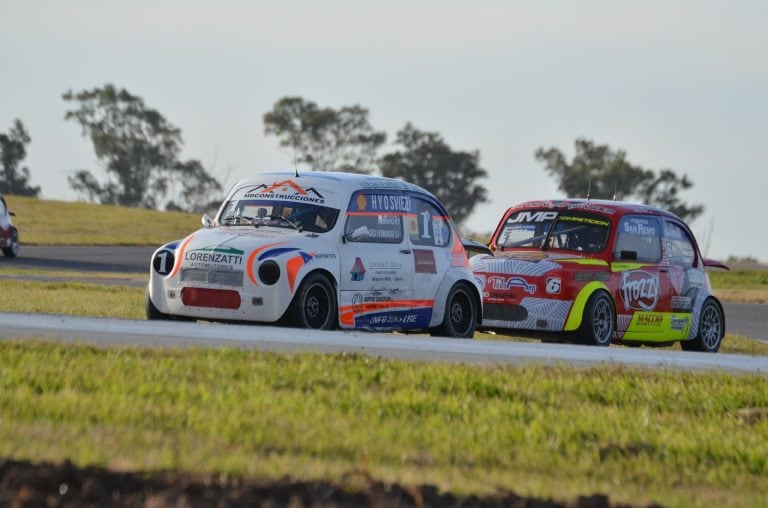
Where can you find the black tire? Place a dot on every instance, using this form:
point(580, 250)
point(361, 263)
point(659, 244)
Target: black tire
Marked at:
point(711, 329)
point(151, 311)
point(460, 317)
point(314, 305)
point(13, 250)
point(599, 321)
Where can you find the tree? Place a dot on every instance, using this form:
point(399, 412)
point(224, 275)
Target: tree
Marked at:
point(427, 160)
point(13, 150)
point(607, 174)
point(139, 152)
point(323, 138)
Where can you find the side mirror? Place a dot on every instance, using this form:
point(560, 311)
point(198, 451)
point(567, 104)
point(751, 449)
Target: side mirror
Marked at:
point(11, 213)
point(629, 255)
point(207, 222)
point(473, 246)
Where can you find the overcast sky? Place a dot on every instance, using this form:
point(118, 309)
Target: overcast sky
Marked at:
point(676, 84)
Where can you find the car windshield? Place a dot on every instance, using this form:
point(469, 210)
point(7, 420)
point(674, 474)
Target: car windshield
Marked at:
point(274, 213)
point(548, 229)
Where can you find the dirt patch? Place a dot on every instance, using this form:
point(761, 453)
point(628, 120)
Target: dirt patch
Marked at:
point(23, 484)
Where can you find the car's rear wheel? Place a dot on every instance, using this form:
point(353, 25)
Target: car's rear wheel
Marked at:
point(598, 323)
point(460, 314)
point(711, 329)
point(13, 249)
point(314, 305)
point(151, 311)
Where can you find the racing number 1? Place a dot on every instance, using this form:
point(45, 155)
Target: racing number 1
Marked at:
point(426, 215)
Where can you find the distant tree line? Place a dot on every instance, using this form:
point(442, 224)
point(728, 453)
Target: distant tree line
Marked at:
point(139, 153)
point(13, 150)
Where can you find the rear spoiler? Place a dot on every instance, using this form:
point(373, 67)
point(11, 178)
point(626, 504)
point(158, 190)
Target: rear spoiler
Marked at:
point(474, 247)
point(712, 263)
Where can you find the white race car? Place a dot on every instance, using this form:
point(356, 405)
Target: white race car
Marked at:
point(321, 250)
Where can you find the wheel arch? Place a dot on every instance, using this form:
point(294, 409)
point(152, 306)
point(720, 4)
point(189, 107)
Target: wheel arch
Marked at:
point(576, 314)
point(450, 280)
point(325, 272)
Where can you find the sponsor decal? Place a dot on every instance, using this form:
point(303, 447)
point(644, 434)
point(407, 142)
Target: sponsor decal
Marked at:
point(592, 275)
point(287, 190)
point(643, 227)
point(385, 265)
point(590, 206)
point(584, 220)
point(325, 255)
point(389, 203)
point(388, 220)
point(357, 302)
point(553, 285)
point(673, 231)
point(696, 278)
point(682, 303)
point(214, 256)
point(424, 261)
point(393, 319)
point(358, 271)
point(678, 323)
point(649, 319)
point(361, 202)
point(531, 217)
point(593, 207)
point(639, 290)
point(502, 283)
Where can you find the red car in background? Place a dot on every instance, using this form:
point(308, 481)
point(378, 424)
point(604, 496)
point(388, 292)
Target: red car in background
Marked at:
point(9, 235)
point(599, 272)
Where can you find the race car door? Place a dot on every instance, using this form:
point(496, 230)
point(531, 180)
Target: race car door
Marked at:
point(430, 234)
point(642, 285)
point(376, 279)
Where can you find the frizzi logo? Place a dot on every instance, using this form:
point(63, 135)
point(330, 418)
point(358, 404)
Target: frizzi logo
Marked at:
point(640, 290)
point(501, 283)
point(532, 217)
point(286, 190)
point(213, 254)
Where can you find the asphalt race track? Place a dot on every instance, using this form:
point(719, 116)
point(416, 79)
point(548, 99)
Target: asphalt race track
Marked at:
point(83, 259)
point(742, 319)
point(112, 332)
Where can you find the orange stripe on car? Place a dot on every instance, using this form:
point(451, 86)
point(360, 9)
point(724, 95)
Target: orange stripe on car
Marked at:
point(183, 248)
point(252, 256)
point(293, 266)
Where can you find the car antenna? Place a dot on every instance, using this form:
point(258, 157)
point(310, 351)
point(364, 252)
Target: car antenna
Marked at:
point(589, 187)
point(615, 189)
point(295, 165)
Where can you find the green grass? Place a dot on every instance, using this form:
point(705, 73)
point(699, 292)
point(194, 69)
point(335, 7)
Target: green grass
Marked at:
point(686, 439)
point(739, 279)
point(72, 298)
point(48, 222)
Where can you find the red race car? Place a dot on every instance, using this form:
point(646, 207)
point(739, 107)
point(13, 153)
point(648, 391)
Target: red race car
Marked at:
point(599, 272)
point(9, 235)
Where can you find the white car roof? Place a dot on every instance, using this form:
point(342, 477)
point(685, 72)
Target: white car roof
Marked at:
point(342, 183)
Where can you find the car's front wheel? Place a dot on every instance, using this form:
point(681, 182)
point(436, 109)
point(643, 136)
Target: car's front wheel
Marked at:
point(13, 249)
point(598, 323)
point(314, 305)
point(460, 314)
point(711, 329)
